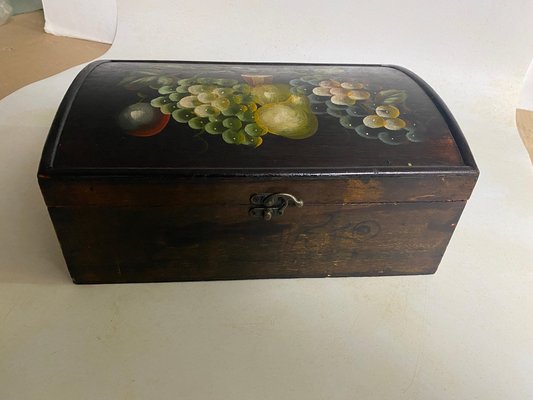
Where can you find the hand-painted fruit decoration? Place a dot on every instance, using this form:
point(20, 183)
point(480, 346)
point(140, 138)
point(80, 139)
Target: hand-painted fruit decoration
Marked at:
point(244, 111)
point(142, 120)
point(370, 112)
point(284, 114)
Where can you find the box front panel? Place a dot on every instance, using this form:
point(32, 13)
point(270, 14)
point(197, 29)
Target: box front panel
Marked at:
point(134, 244)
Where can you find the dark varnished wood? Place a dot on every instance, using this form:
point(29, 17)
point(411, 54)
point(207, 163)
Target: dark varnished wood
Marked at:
point(124, 191)
point(141, 209)
point(85, 138)
point(132, 244)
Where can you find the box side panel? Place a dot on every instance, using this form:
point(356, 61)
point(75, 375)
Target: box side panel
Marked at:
point(132, 244)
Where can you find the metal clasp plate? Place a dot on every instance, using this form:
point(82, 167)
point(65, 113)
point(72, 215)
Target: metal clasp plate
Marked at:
point(268, 205)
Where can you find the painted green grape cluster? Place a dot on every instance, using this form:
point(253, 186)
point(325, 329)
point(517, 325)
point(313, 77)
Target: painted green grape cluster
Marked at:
point(371, 113)
point(217, 106)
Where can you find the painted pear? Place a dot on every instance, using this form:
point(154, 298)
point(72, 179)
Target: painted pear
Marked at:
point(282, 113)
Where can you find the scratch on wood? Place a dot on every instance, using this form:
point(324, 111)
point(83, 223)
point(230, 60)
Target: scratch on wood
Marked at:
point(424, 197)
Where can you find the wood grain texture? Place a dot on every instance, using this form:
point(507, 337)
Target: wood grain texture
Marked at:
point(158, 191)
point(138, 244)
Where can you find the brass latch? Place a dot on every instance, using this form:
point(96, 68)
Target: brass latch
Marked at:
point(268, 205)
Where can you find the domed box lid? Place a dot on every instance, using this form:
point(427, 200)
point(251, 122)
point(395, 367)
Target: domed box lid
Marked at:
point(183, 118)
point(161, 132)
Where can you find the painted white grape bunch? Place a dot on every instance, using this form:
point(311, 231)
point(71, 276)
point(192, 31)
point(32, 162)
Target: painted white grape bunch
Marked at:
point(372, 114)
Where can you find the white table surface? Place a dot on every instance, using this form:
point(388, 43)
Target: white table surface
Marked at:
point(464, 333)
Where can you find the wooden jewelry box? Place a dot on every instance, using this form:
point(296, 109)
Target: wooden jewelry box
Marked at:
point(178, 171)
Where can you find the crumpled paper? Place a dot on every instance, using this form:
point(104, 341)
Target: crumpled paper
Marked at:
point(5, 11)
